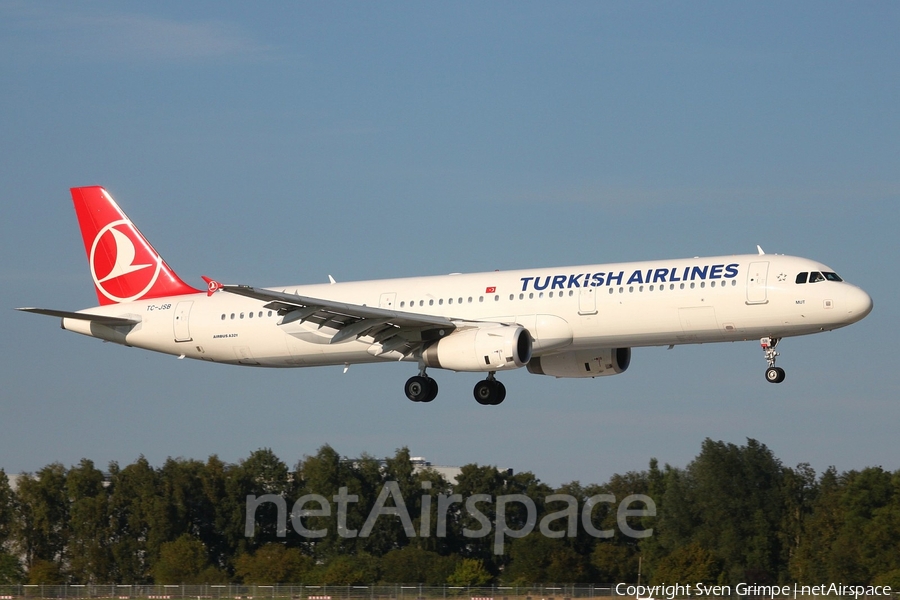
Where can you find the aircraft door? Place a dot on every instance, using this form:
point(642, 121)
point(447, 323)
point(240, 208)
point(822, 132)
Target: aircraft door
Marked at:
point(182, 321)
point(388, 300)
point(756, 282)
point(587, 301)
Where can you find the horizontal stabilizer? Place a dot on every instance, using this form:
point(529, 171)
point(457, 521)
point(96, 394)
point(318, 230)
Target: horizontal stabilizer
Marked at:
point(64, 314)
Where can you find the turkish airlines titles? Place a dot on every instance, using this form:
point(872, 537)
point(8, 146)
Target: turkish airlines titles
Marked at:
point(661, 275)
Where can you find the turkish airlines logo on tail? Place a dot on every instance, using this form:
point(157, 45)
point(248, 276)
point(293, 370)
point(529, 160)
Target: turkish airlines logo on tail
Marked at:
point(124, 267)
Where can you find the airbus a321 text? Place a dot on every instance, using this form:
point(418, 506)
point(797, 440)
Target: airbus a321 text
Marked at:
point(577, 321)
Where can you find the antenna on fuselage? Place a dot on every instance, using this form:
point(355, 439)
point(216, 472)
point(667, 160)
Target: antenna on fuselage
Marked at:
point(759, 249)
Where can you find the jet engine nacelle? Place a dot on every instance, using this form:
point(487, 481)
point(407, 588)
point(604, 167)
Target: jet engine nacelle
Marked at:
point(490, 348)
point(595, 362)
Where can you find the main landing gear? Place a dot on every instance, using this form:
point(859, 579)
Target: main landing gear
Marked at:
point(490, 392)
point(773, 374)
point(423, 388)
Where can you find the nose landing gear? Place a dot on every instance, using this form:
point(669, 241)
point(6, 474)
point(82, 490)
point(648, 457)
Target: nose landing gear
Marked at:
point(773, 374)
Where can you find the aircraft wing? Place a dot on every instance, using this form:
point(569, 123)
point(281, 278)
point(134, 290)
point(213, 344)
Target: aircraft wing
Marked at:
point(64, 314)
point(394, 330)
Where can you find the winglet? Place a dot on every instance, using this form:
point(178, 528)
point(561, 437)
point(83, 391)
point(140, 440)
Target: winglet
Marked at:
point(759, 249)
point(212, 286)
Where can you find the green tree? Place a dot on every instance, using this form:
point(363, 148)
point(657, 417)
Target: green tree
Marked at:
point(539, 559)
point(737, 493)
point(7, 511)
point(274, 563)
point(692, 563)
point(136, 515)
point(357, 569)
point(613, 562)
point(411, 564)
point(11, 571)
point(46, 572)
point(42, 530)
point(185, 560)
point(470, 572)
point(89, 543)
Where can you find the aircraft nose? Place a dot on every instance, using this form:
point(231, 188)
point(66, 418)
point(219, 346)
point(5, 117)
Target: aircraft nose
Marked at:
point(859, 304)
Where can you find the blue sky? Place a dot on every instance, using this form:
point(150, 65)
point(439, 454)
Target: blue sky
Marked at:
point(281, 143)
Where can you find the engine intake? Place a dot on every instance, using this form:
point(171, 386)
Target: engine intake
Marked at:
point(595, 362)
point(481, 349)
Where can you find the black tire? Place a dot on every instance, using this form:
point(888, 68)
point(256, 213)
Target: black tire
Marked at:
point(500, 391)
point(432, 390)
point(417, 388)
point(484, 392)
point(774, 374)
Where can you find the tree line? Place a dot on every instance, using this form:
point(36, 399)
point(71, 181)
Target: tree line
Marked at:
point(733, 514)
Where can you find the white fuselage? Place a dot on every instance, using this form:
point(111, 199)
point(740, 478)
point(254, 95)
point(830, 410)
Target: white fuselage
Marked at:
point(681, 301)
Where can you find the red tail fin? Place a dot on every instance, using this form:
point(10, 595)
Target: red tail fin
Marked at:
point(124, 266)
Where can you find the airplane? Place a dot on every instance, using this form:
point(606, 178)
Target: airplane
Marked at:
point(565, 322)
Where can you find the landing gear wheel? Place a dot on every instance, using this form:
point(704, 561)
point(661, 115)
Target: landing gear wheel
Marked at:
point(432, 390)
point(774, 374)
point(420, 389)
point(501, 393)
point(489, 392)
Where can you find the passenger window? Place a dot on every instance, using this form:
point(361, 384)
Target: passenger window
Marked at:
point(270, 313)
point(250, 315)
point(801, 277)
point(232, 315)
point(431, 302)
point(223, 316)
point(450, 301)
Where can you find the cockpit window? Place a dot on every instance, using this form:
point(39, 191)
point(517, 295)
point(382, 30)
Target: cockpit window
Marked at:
point(816, 277)
point(801, 277)
point(832, 276)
